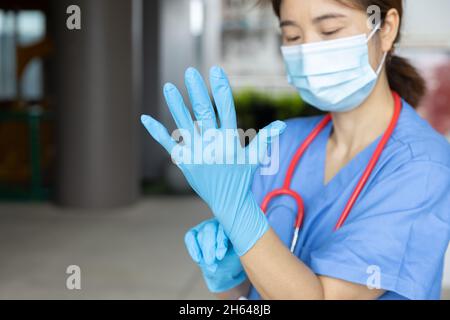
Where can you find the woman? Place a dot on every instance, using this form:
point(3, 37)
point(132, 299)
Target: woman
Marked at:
point(390, 243)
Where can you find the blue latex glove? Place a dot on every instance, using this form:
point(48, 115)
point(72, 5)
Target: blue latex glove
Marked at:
point(210, 248)
point(224, 187)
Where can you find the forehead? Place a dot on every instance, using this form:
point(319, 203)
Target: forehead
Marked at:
point(297, 10)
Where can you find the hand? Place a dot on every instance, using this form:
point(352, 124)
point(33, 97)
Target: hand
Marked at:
point(210, 248)
point(212, 159)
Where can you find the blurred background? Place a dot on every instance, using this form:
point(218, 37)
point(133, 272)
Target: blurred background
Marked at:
point(82, 184)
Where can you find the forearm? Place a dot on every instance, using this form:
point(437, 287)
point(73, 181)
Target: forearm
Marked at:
point(277, 274)
point(235, 293)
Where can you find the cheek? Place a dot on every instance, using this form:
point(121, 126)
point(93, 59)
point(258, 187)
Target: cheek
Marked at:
point(375, 52)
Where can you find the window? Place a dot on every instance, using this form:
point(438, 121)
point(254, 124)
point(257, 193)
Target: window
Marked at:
point(19, 29)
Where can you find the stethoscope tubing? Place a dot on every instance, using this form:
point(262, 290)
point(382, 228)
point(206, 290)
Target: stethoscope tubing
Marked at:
point(286, 190)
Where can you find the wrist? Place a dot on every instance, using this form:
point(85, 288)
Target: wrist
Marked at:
point(225, 282)
point(237, 293)
point(248, 227)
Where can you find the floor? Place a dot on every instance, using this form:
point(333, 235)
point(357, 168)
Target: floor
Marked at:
point(130, 253)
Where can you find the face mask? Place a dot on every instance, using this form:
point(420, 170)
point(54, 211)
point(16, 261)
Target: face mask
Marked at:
point(335, 75)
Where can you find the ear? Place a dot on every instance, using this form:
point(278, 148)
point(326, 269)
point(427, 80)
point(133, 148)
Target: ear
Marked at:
point(390, 30)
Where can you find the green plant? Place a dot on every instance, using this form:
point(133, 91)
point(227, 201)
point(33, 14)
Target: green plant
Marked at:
point(256, 109)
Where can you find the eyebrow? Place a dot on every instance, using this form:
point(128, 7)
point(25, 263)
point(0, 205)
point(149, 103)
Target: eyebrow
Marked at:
point(328, 16)
point(287, 23)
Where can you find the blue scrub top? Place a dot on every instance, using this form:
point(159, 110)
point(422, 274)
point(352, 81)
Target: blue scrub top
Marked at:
point(400, 224)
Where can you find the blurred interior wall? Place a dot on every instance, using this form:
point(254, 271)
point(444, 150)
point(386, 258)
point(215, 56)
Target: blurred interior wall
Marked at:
point(212, 34)
point(168, 53)
point(427, 25)
point(97, 103)
point(153, 160)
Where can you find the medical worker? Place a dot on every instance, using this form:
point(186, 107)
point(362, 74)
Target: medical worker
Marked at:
point(360, 205)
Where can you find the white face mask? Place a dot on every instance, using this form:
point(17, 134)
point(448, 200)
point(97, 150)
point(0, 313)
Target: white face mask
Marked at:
point(335, 75)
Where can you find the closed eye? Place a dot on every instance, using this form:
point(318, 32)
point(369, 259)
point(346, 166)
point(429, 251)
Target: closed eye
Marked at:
point(292, 39)
point(330, 33)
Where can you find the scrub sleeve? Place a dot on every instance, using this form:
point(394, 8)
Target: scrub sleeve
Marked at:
point(396, 227)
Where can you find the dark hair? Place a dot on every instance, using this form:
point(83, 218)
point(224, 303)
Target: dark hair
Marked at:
point(403, 77)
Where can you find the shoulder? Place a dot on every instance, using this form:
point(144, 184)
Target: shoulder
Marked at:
point(414, 147)
point(419, 141)
point(415, 163)
point(297, 130)
point(282, 151)
point(300, 127)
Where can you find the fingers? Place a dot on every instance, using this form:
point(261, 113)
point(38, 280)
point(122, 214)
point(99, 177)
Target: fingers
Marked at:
point(223, 97)
point(207, 243)
point(222, 243)
point(190, 240)
point(264, 138)
point(178, 109)
point(206, 238)
point(201, 102)
point(158, 132)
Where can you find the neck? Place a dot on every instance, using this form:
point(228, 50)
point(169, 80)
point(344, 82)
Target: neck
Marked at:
point(355, 130)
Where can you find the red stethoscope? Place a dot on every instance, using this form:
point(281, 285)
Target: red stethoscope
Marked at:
point(287, 191)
